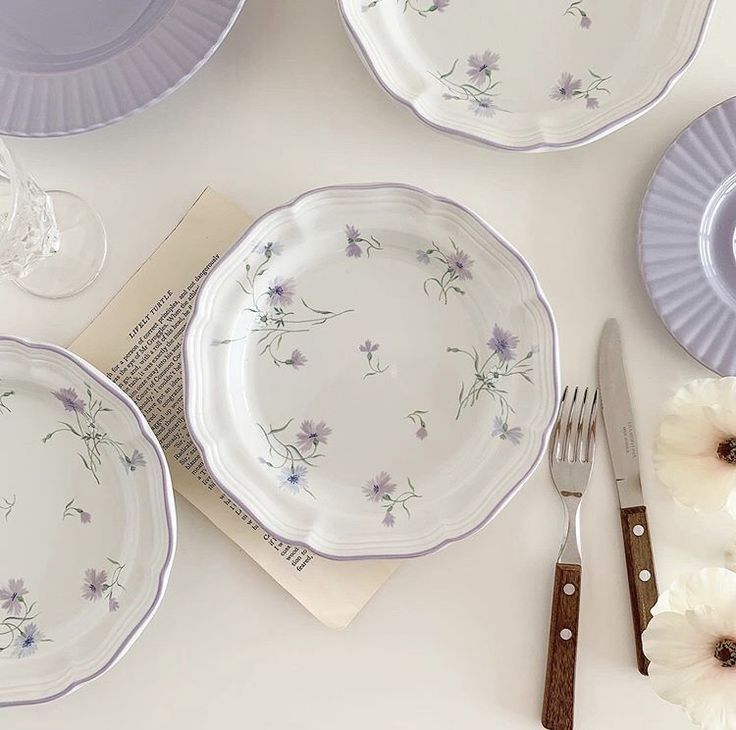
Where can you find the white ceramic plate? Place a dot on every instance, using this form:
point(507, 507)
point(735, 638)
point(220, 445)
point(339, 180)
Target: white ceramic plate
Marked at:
point(87, 524)
point(330, 376)
point(528, 74)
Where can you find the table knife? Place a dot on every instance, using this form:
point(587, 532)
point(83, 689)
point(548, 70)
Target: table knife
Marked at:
point(622, 445)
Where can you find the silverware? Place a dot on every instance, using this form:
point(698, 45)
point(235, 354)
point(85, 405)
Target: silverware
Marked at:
point(571, 452)
point(622, 445)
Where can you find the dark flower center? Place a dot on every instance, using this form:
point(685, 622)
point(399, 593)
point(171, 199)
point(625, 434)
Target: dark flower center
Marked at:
point(27, 641)
point(93, 587)
point(13, 597)
point(727, 451)
point(376, 489)
point(278, 290)
point(725, 653)
point(293, 479)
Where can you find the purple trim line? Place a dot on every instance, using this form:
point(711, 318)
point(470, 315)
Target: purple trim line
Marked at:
point(538, 146)
point(186, 366)
point(168, 494)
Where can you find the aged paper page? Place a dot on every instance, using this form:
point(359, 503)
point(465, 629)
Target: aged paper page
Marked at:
point(137, 339)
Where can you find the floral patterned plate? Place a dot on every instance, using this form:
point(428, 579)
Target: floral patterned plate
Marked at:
point(371, 371)
point(87, 523)
point(528, 74)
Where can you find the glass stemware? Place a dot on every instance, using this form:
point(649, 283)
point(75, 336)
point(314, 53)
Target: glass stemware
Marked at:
point(52, 243)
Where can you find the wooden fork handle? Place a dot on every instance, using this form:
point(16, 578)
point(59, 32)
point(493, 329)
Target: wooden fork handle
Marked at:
point(640, 572)
point(559, 687)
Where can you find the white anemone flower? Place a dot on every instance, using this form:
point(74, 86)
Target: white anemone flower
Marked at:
point(691, 644)
point(695, 451)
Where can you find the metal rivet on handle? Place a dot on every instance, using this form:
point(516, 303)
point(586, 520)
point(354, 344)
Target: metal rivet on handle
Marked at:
point(638, 530)
point(644, 576)
point(568, 589)
point(566, 634)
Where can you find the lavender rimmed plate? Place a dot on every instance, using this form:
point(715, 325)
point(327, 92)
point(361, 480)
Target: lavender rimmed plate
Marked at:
point(687, 238)
point(73, 66)
point(531, 74)
point(371, 371)
point(87, 523)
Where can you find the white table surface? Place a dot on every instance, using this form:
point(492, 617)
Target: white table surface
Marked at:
point(457, 639)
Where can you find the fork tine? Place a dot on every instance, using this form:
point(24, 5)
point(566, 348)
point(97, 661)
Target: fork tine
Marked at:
point(592, 420)
point(554, 451)
point(568, 427)
point(579, 432)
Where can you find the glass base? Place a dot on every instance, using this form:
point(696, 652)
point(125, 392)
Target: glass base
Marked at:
point(81, 254)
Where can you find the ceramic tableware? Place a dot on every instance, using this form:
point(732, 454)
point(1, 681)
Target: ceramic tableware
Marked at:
point(371, 371)
point(73, 66)
point(686, 239)
point(531, 74)
point(87, 523)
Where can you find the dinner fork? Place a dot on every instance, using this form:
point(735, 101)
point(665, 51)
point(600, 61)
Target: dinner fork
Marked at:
point(571, 452)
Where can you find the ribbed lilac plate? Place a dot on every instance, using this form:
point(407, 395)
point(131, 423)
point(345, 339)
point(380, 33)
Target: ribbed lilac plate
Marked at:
point(70, 67)
point(686, 238)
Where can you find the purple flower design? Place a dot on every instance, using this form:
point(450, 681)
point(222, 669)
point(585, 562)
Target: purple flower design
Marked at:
point(565, 88)
point(439, 5)
point(297, 359)
point(592, 103)
point(94, 584)
point(503, 343)
point(69, 399)
point(422, 256)
point(501, 430)
point(585, 22)
point(483, 106)
point(85, 517)
point(26, 643)
point(388, 519)
point(421, 433)
point(293, 478)
point(281, 292)
point(352, 234)
point(352, 250)
point(480, 67)
point(461, 264)
point(135, 461)
point(369, 346)
point(313, 434)
point(376, 488)
point(12, 596)
point(113, 604)
point(268, 249)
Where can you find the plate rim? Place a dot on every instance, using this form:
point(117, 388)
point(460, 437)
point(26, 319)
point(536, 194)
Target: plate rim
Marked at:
point(137, 109)
point(603, 131)
point(171, 522)
point(640, 238)
point(188, 366)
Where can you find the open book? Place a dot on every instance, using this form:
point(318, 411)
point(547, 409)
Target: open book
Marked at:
point(137, 340)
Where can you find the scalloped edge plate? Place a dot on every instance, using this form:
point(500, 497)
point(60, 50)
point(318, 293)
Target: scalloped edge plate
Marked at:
point(371, 35)
point(231, 391)
point(48, 671)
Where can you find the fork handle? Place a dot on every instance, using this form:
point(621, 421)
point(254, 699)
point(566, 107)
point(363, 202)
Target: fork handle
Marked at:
point(562, 649)
point(640, 572)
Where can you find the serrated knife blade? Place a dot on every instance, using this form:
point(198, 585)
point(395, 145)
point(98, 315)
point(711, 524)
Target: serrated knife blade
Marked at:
point(618, 419)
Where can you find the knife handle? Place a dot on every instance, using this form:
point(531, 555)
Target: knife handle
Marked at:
point(641, 575)
point(562, 649)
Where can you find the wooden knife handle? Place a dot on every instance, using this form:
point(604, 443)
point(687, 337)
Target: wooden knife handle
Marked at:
point(562, 649)
point(641, 575)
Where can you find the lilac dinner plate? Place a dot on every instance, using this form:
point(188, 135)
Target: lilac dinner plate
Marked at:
point(686, 239)
point(68, 67)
